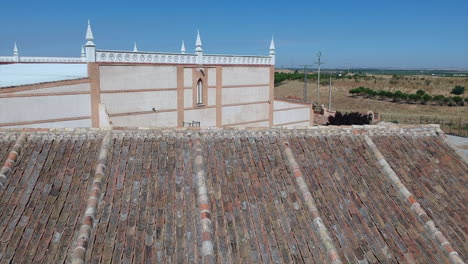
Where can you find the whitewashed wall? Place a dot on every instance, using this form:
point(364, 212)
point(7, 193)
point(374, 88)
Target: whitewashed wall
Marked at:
point(188, 77)
point(168, 119)
point(256, 124)
point(245, 75)
point(62, 124)
point(137, 77)
point(212, 77)
point(245, 95)
point(82, 87)
point(245, 113)
point(206, 116)
point(288, 112)
point(28, 109)
point(139, 101)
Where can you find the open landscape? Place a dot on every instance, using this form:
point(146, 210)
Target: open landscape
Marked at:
point(401, 112)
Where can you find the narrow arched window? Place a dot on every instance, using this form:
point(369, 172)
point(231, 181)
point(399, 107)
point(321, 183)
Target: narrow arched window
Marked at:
point(199, 92)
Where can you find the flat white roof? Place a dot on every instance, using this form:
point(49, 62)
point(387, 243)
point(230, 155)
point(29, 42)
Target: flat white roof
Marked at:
point(31, 73)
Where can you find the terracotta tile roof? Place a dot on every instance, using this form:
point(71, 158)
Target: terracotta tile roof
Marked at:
point(318, 195)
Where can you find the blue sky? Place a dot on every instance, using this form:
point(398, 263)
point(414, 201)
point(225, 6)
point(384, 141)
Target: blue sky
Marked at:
point(401, 34)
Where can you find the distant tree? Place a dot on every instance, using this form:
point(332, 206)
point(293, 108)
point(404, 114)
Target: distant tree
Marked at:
point(426, 98)
point(346, 119)
point(420, 92)
point(458, 90)
point(414, 98)
point(457, 100)
point(439, 99)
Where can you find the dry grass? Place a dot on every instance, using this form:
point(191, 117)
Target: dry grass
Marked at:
point(342, 101)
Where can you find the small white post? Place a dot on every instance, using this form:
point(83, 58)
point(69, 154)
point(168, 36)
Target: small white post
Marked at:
point(182, 49)
point(83, 54)
point(272, 51)
point(90, 46)
point(15, 53)
point(198, 48)
point(135, 49)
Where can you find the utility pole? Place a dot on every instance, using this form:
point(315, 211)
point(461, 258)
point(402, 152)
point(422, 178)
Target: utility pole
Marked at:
point(319, 62)
point(306, 80)
point(329, 95)
point(305, 83)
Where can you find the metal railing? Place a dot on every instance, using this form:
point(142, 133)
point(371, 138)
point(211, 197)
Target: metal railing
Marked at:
point(451, 125)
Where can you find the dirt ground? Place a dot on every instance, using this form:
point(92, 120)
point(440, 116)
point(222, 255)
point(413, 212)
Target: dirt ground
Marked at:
point(342, 101)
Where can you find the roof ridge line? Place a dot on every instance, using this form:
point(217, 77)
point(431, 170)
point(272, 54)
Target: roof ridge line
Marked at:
point(410, 130)
point(87, 223)
point(207, 250)
point(319, 226)
point(12, 158)
point(407, 196)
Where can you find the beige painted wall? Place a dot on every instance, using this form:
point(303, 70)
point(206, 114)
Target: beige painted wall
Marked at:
point(188, 100)
point(211, 77)
point(44, 107)
point(245, 113)
point(286, 105)
point(206, 116)
point(137, 77)
point(303, 124)
point(245, 95)
point(166, 119)
point(188, 77)
point(70, 124)
point(257, 124)
point(246, 75)
point(82, 87)
point(211, 96)
point(293, 115)
point(137, 102)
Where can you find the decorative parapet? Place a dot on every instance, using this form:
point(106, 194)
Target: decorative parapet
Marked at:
point(178, 58)
point(11, 59)
point(7, 59)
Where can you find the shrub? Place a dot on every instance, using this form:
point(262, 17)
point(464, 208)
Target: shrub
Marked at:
point(439, 99)
point(427, 82)
point(420, 92)
point(426, 98)
point(346, 119)
point(457, 100)
point(466, 99)
point(458, 90)
point(414, 97)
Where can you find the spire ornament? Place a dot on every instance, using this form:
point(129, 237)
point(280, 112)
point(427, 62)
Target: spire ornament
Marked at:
point(83, 54)
point(135, 49)
point(182, 49)
point(272, 46)
point(89, 36)
point(15, 53)
point(90, 47)
point(198, 44)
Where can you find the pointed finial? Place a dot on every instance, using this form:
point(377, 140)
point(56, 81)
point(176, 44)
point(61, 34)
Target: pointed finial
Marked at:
point(15, 50)
point(198, 44)
point(272, 46)
point(135, 49)
point(83, 54)
point(182, 49)
point(89, 36)
point(15, 53)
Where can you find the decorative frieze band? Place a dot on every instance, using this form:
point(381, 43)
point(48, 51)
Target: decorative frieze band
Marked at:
point(41, 59)
point(145, 57)
point(170, 58)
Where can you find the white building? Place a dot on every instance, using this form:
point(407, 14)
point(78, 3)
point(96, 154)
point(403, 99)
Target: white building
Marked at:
point(104, 88)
